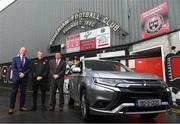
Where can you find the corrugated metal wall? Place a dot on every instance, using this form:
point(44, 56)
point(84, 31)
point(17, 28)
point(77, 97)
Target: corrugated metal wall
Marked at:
point(31, 23)
point(114, 9)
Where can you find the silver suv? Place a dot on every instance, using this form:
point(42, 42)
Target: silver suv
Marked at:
point(104, 87)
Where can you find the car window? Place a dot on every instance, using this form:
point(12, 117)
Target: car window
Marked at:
point(97, 65)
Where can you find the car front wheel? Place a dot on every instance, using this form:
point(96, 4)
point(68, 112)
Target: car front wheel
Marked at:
point(71, 100)
point(84, 106)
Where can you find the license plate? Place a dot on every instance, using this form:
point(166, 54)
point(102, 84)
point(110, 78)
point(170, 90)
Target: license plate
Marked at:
point(148, 102)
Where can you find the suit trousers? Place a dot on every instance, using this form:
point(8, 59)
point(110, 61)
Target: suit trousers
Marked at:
point(15, 85)
point(43, 86)
point(57, 84)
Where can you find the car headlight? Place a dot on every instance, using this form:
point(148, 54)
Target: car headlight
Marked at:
point(108, 81)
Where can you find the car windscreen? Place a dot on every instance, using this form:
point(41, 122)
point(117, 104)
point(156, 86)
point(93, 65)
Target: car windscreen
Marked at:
point(97, 65)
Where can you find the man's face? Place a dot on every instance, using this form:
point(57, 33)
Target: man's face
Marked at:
point(40, 55)
point(23, 51)
point(58, 55)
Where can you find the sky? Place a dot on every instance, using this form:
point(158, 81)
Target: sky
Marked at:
point(5, 3)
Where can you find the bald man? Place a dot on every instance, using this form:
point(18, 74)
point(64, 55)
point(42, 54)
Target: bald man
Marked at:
point(20, 69)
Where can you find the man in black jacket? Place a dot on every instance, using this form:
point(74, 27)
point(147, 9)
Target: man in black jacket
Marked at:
point(57, 72)
point(40, 70)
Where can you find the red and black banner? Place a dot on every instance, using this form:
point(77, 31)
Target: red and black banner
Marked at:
point(155, 21)
point(172, 62)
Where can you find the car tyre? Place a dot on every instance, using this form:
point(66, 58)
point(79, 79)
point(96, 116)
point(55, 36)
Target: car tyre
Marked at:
point(71, 100)
point(85, 107)
point(149, 116)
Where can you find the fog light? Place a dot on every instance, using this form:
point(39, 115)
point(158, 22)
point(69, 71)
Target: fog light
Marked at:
point(101, 104)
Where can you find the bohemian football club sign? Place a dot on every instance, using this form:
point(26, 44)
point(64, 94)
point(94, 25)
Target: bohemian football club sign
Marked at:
point(85, 18)
point(155, 21)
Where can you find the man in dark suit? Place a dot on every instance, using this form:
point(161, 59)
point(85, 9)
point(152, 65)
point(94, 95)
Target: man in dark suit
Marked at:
point(20, 69)
point(40, 70)
point(57, 72)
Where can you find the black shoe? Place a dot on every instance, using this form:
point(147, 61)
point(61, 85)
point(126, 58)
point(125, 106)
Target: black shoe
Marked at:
point(51, 108)
point(43, 108)
point(33, 108)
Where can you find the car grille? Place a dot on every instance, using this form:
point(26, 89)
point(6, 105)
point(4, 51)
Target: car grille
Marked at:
point(130, 95)
point(146, 89)
point(147, 81)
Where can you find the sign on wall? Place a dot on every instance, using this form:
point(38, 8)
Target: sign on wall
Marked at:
point(172, 65)
point(99, 37)
point(88, 44)
point(103, 37)
point(175, 67)
point(73, 43)
point(155, 21)
point(89, 40)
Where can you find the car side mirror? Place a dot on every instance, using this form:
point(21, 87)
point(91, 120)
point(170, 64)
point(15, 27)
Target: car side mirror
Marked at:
point(76, 70)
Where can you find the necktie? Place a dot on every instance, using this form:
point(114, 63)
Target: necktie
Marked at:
point(57, 63)
point(22, 61)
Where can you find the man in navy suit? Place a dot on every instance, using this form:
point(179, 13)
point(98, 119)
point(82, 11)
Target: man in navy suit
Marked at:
point(20, 69)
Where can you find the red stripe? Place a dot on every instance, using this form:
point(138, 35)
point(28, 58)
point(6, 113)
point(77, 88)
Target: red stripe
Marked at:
point(103, 44)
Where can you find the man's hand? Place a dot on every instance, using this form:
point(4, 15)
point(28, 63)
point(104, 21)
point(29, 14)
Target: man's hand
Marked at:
point(39, 78)
point(55, 76)
point(21, 75)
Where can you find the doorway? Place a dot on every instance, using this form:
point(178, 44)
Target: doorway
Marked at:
point(148, 61)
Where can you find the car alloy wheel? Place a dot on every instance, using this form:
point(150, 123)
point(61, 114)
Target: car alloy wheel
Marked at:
point(83, 106)
point(71, 100)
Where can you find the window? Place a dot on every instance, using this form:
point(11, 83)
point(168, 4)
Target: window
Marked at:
point(97, 65)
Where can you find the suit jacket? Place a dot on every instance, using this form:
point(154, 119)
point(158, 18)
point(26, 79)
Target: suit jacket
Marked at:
point(17, 67)
point(40, 68)
point(59, 70)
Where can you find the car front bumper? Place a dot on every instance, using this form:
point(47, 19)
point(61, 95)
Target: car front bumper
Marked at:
point(122, 101)
point(120, 110)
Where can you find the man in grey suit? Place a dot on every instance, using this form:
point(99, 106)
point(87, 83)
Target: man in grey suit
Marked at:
point(57, 72)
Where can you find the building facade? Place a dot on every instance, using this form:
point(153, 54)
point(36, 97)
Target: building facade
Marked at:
point(143, 34)
point(33, 23)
